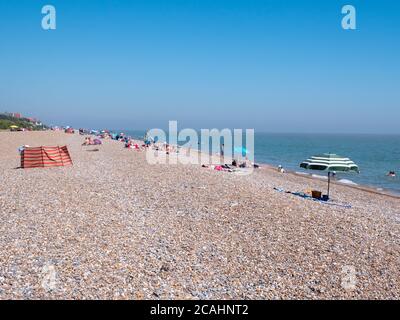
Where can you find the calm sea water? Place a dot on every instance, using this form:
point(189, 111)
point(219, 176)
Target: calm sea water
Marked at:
point(374, 154)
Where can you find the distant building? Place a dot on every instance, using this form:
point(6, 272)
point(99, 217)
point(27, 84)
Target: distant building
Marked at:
point(35, 121)
point(18, 115)
point(12, 114)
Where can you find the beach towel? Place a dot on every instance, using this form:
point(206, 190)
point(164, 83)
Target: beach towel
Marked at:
point(308, 197)
point(44, 157)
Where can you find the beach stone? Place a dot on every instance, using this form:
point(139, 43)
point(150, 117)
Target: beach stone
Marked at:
point(113, 226)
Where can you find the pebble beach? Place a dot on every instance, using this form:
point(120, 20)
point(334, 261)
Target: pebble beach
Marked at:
point(113, 226)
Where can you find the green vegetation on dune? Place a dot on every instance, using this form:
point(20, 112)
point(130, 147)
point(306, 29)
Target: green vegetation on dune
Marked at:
point(6, 121)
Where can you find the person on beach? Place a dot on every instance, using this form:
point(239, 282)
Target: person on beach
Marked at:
point(88, 141)
point(221, 153)
point(245, 164)
point(22, 148)
point(147, 139)
point(121, 137)
point(128, 144)
point(280, 169)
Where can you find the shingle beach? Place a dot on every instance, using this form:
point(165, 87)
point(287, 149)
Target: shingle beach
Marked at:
point(113, 226)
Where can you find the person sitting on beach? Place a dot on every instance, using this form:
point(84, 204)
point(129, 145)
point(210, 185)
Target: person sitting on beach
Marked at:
point(88, 141)
point(280, 169)
point(255, 165)
point(148, 140)
point(121, 137)
point(128, 144)
point(245, 164)
point(234, 163)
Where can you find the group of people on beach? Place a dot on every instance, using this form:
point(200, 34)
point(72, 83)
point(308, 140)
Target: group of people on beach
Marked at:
point(149, 142)
point(236, 164)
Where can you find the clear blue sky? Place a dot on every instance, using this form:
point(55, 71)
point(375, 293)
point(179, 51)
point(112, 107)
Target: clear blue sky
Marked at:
point(278, 66)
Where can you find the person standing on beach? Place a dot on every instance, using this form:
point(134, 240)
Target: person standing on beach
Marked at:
point(222, 153)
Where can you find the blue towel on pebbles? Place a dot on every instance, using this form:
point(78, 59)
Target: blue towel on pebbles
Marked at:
point(306, 196)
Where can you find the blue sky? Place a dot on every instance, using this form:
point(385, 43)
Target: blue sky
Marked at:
point(276, 66)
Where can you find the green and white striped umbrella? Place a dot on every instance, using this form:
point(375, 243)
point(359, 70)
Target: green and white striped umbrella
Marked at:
point(329, 162)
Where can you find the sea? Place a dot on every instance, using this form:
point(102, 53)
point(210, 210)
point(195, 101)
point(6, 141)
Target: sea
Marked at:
point(375, 155)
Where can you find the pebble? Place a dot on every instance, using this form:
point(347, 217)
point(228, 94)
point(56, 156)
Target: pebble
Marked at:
point(114, 227)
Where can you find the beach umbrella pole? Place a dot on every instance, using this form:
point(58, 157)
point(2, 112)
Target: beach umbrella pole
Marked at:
point(331, 163)
point(329, 182)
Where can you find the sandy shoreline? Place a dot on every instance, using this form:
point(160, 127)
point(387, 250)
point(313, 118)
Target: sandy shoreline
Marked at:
point(113, 226)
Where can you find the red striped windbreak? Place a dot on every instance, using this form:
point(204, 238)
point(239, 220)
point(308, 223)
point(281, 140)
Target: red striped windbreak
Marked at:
point(44, 157)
